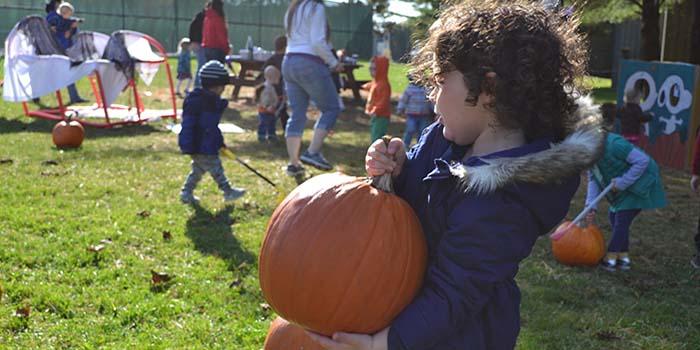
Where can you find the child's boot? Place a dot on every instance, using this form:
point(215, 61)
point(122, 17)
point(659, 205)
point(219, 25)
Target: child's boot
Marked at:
point(188, 198)
point(609, 262)
point(623, 262)
point(233, 194)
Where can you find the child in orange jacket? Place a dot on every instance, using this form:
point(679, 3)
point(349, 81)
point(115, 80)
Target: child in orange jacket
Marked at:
point(379, 101)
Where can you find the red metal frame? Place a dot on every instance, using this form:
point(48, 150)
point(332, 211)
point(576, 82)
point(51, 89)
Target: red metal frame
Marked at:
point(60, 112)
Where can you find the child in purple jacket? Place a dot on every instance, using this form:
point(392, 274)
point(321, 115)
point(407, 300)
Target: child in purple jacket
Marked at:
point(496, 171)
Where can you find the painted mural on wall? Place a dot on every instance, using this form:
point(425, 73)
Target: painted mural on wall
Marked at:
point(667, 90)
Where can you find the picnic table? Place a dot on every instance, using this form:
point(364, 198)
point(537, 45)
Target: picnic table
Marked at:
point(250, 75)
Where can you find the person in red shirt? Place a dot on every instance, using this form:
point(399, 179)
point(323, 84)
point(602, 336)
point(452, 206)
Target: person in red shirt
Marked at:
point(215, 32)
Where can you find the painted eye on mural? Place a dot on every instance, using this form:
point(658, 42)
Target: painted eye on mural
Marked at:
point(644, 82)
point(675, 95)
point(662, 97)
point(643, 86)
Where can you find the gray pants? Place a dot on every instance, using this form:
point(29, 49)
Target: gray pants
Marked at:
point(201, 164)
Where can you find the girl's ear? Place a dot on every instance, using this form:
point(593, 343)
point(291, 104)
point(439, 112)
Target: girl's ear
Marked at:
point(488, 89)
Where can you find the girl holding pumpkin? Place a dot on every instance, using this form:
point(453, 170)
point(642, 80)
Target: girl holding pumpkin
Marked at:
point(497, 170)
point(636, 186)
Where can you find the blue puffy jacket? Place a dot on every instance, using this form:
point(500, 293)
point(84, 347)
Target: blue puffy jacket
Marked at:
point(201, 114)
point(481, 217)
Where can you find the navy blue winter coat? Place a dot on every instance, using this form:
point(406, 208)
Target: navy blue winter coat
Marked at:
point(201, 113)
point(481, 218)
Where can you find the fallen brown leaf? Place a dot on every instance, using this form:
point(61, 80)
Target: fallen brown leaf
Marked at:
point(265, 307)
point(607, 336)
point(49, 173)
point(6, 161)
point(96, 248)
point(159, 277)
point(167, 235)
point(106, 241)
point(23, 312)
point(237, 282)
point(49, 162)
point(144, 214)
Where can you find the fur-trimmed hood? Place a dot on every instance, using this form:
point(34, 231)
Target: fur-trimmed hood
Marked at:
point(576, 153)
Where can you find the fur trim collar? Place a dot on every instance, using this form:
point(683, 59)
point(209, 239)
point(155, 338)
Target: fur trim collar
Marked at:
point(578, 152)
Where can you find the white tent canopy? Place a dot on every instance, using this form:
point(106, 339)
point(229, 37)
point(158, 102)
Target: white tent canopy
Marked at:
point(30, 74)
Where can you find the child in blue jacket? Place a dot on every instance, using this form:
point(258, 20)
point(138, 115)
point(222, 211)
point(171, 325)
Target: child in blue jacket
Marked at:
point(64, 27)
point(200, 136)
point(497, 170)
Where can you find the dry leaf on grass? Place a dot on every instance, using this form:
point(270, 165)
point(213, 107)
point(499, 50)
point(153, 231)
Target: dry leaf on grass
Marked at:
point(167, 235)
point(607, 336)
point(237, 282)
point(144, 214)
point(6, 161)
point(160, 277)
point(23, 312)
point(96, 248)
point(49, 162)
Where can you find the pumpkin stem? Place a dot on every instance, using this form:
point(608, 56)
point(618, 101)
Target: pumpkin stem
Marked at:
point(384, 182)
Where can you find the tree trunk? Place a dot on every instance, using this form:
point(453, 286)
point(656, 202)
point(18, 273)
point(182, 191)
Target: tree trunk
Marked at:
point(651, 47)
point(695, 35)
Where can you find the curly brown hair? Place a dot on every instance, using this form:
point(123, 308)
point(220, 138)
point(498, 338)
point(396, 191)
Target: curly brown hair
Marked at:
point(538, 55)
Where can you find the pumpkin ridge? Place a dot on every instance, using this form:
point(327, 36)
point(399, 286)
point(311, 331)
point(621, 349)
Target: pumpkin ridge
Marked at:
point(405, 264)
point(298, 271)
point(263, 259)
point(362, 259)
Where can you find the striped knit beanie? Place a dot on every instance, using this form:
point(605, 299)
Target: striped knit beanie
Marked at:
point(213, 73)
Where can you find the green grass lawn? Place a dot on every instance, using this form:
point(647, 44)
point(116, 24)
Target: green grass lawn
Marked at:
point(120, 191)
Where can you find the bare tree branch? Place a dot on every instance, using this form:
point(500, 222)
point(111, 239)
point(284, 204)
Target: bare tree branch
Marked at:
point(635, 2)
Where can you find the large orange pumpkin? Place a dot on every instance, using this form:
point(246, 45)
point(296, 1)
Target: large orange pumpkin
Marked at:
point(581, 246)
point(68, 134)
point(342, 255)
point(286, 336)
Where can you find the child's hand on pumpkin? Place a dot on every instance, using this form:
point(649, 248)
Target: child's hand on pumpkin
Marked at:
point(350, 341)
point(382, 159)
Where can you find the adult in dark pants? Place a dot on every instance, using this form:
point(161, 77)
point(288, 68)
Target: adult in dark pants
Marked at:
point(215, 32)
point(195, 35)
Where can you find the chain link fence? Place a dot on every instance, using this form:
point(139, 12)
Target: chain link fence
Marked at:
point(169, 20)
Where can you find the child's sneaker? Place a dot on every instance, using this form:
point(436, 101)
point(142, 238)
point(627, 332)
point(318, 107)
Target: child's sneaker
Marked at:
point(695, 261)
point(316, 159)
point(624, 264)
point(608, 264)
point(294, 170)
point(188, 198)
point(234, 194)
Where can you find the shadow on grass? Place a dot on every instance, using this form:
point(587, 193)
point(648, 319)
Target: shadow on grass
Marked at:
point(212, 234)
point(27, 124)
